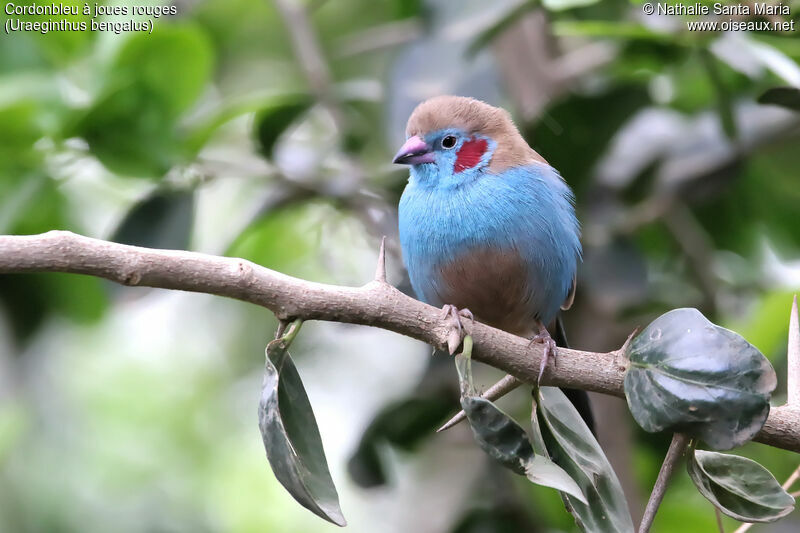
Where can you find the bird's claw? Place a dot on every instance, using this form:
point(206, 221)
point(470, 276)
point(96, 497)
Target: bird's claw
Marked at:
point(456, 328)
point(548, 348)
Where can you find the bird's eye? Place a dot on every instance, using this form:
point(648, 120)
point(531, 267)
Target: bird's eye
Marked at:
point(448, 142)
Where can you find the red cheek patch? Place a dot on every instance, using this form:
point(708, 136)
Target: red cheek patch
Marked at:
point(470, 154)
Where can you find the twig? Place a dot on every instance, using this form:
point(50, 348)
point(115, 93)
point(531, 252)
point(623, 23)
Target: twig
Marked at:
point(306, 46)
point(692, 238)
point(498, 390)
point(744, 527)
point(720, 525)
point(310, 57)
point(676, 448)
point(375, 304)
point(792, 479)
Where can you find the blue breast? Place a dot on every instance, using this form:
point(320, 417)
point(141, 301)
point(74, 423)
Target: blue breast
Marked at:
point(524, 213)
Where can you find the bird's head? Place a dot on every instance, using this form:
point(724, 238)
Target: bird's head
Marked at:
point(452, 140)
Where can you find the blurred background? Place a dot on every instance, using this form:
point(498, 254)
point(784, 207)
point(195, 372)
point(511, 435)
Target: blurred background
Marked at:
point(265, 129)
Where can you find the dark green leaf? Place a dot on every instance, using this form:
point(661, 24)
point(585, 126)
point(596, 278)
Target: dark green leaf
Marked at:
point(788, 97)
point(739, 487)
point(690, 375)
point(497, 434)
point(29, 299)
point(587, 124)
point(162, 220)
point(404, 423)
point(560, 432)
point(498, 517)
point(130, 132)
point(366, 467)
point(273, 120)
point(505, 440)
point(291, 436)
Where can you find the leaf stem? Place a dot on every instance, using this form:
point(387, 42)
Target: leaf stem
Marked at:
point(680, 442)
point(291, 331)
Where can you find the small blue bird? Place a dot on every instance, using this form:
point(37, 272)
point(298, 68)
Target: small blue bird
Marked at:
point(487, 227)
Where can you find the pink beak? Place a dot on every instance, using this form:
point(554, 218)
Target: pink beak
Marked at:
point(414, 152)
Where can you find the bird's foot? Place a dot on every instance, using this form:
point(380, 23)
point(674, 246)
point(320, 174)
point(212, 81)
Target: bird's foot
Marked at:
point(454, 314)
point(549, 349)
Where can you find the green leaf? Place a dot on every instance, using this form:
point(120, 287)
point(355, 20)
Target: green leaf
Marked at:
point(58, 47)
point(690, 375)
point(725, 105)
point(162, 220)
point(280, 239)
point(17, 137)
point(563, 5)
point(505, 440)
point(291, 436)
point(29, 299)
point(274, 119)
point(132, 127)
point(560, 432)
point(174, 63)
point(13, 422)
point(366, 467)
point(788, 97)
point(131, 132)
point(602, 28)
point(739, 487)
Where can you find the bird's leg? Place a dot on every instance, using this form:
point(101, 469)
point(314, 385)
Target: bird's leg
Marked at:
point(548, 345)
point(455, 315)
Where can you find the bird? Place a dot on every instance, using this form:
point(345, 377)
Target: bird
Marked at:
point(487, 227)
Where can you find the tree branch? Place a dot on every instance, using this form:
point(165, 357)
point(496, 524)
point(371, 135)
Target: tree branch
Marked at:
point(375, 304)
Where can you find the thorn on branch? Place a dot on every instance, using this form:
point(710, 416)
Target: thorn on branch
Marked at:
point(380, 271)
point(793, 357)
point(629, 340)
